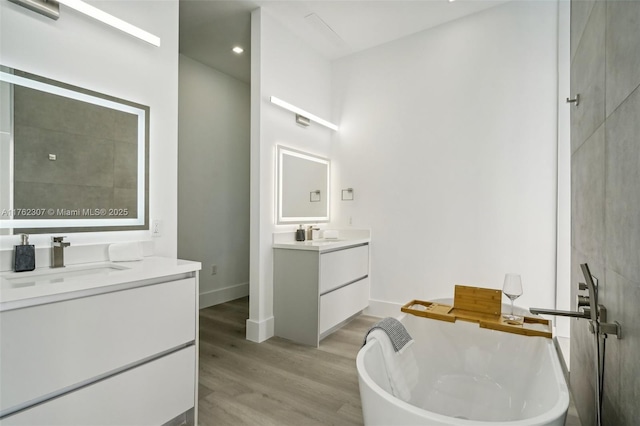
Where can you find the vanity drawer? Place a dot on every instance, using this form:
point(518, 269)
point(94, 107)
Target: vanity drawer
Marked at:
point(342, 303)
point(150, 394)
point(343, 266)
point(47, 348)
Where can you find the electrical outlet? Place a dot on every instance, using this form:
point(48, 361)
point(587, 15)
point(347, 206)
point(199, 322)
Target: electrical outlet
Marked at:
point(156, 228)
point(214, 269)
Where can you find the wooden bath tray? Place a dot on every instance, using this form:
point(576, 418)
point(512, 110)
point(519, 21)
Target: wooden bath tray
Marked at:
point(480, 305)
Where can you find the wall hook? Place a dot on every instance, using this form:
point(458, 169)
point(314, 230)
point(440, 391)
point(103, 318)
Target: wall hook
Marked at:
point(575, 100)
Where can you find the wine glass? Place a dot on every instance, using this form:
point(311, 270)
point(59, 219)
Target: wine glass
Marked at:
point(512, 288)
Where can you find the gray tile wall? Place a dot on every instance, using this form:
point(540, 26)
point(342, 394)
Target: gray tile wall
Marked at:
point(96, 155)
point(605, 197)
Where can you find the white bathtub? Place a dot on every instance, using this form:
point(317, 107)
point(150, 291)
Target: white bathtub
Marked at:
point(467, 376)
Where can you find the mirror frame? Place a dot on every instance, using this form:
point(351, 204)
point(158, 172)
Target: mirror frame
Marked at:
point(141, 222)
point(281, 151)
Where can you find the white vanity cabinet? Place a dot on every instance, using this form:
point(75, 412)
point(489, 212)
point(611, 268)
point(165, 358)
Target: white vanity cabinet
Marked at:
point(125, 354)
point(315, 291)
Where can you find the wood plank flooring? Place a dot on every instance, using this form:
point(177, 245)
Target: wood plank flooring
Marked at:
point(276, 382)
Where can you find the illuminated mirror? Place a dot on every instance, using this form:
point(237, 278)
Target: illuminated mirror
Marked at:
point(71, 160)
point(303, 187)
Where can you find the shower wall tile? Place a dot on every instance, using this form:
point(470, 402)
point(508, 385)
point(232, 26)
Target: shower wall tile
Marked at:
point(50, 196)
point(125, 128)
point(623, 51)
point(622, 219)
point(78, 158)
point(613, 253)
point(588, 78)
point(582, 354)
point(96, 150)
point(587, 197)
point(630, 350)
point(609, 295)
point(581, 376)
point(34, 108)
point(621, 297)
point(580, 11)
point(125, 165)
point(124, 198)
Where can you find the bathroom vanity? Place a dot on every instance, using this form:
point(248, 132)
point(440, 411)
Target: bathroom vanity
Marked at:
point(107, 343)
point(319, 285)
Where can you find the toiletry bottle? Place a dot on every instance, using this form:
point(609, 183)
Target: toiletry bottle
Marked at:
point(300, 234)
point(24, 256)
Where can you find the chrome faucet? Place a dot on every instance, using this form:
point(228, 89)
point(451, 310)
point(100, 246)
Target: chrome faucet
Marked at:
point(572, 314)
point(588, 312)
point(310, 230)
point(57, 252)
point(588, 308)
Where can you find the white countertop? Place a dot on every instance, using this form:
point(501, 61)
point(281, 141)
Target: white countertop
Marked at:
point(346, 238)
point(321, 244)
point(47, 285)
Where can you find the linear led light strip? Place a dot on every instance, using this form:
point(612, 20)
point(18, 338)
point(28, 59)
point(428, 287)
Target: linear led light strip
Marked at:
point(108, 19)
point(302, 112)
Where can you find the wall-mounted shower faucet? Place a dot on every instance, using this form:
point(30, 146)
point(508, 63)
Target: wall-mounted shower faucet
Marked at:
point(588, 308)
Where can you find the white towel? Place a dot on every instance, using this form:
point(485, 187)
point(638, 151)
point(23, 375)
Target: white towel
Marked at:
point(330, 234)
point(402, 369)
point(125, 252)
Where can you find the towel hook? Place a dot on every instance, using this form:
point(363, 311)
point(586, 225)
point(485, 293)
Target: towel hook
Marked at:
point(575, 100)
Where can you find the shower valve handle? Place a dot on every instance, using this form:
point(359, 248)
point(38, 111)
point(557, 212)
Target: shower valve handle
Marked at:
point(583, 301)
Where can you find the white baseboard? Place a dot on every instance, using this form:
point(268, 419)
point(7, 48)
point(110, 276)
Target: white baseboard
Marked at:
point(221, 295)
point(382, 309)
point(259, 331)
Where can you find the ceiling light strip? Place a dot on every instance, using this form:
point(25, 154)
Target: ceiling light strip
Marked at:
point(302, 112)
point(111, 20)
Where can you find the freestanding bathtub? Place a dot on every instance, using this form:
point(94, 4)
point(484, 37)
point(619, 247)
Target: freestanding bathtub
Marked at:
point(466, 375)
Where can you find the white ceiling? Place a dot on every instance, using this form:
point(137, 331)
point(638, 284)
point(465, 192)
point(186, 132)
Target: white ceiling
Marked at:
point(210, 28)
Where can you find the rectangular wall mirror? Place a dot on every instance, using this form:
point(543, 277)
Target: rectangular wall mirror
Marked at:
point(303, 187)
point(71, 160)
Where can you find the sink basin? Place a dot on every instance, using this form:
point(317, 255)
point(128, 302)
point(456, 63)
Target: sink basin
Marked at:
point(42, 276)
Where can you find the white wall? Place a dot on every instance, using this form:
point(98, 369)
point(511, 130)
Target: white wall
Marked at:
point(86, 53)
point(284, 67)
point(213, 179)
point(448, 138)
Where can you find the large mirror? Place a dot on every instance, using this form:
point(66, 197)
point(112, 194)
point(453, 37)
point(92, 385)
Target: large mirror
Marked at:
point(303, 187)
point(71, 160)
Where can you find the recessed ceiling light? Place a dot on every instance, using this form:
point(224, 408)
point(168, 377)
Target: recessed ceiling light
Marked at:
point(238, 50)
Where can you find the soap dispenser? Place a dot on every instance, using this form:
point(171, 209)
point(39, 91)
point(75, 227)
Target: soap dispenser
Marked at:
point(24, 256)
point(300, 233)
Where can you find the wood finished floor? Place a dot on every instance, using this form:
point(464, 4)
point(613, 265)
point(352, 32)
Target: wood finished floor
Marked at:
point(276, 382)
